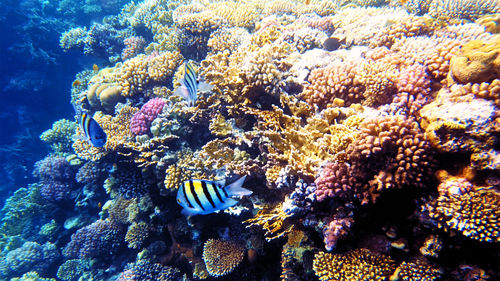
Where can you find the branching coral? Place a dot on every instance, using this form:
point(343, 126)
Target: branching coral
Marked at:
point(221, 257)
point(273, 221)
point(60, 136)
point(359, 264)
point(475, 214)
point(467, 9)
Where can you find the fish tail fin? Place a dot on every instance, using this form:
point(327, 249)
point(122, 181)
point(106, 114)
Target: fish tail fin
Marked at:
point(229, 203)
point(235, 188)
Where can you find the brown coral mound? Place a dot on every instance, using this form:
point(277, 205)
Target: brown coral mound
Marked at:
point(393, 151)
point(336, 81)
point(359, 264)
point(221, 257)
point(475, 214)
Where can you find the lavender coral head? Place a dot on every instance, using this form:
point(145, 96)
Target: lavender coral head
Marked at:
point(54, 168)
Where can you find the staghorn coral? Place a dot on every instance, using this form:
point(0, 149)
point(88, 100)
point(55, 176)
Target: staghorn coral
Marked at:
point(477, 62)
point(475, 214)
point(60, 136)
point(359, 264)
point(221, 257)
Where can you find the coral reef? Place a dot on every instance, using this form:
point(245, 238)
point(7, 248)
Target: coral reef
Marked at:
point(60, 136)
point(221, 257)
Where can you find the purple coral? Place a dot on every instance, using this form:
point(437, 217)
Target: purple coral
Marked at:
point(148, 271)
point(56, 176)
point(141, 121)
point(302, 198)
point(336, 180)
point(53, 168)
point(103, 237)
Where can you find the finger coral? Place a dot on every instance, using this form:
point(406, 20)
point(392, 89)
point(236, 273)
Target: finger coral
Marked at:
point(221, 257)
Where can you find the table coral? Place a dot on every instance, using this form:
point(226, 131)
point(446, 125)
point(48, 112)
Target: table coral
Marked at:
point(221, 257)
point(475, 214)
point(478, 61)
point(359, 264)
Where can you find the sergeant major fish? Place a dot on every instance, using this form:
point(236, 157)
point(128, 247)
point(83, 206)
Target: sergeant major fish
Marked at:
point(93, 132)
point(201, 197)
point(190, 86)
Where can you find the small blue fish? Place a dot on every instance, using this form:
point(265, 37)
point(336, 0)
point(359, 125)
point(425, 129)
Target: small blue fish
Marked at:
point(190, 86)
point(201, 197)
point(93, 132)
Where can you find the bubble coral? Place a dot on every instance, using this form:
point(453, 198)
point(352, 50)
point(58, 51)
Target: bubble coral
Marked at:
point(141, 121)
point(475, 214)
point(221, 257)
point(359, 264)
point(477, 62)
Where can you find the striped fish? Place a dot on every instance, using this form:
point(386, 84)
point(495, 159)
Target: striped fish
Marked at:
point(201, 197)
point(190, 86)
point(93, 132)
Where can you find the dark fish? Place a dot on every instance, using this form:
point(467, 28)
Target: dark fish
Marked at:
point(332, 44)
point(190, 85)
point(93, 132)
point(201, 197)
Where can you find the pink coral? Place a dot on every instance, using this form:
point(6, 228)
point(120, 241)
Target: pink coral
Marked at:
point(336, 180)
point(335, 230)
point(133, 46)
point(141, 121)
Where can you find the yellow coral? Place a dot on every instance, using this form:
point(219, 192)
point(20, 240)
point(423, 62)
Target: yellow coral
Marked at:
point(272, 219)
point(479, 61)
point(359, 264)
point(476, 214)
point(221, 257)
point(419, 271)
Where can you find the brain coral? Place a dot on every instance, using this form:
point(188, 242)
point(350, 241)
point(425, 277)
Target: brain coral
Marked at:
point(359, 264)
point(221, 257)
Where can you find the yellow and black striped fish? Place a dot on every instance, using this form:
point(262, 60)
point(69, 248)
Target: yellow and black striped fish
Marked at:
point(190, 85)
point(93, 132)
point(201, 197)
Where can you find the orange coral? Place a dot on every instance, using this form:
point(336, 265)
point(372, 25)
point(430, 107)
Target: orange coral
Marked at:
point(478, 61)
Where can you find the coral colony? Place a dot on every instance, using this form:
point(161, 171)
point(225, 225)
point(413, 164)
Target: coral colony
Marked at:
point(368, 136)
